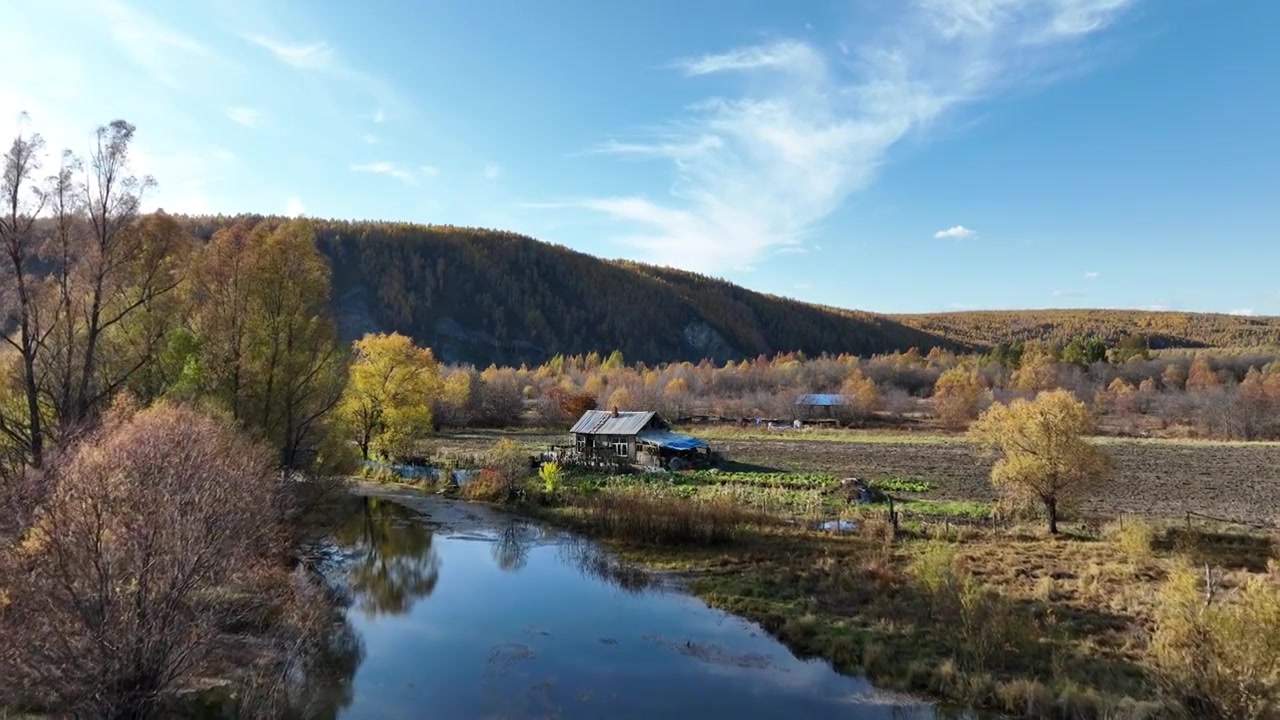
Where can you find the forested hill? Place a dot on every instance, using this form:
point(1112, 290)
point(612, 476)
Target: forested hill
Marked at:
point(490, 296)
point(1161, 329)
point(485, 296)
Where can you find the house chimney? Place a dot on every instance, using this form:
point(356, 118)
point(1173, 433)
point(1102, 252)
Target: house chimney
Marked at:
point(615, 411)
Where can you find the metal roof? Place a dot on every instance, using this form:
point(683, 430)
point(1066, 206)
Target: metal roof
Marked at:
point(821, 400)
point(670, 440)
point(602, 422)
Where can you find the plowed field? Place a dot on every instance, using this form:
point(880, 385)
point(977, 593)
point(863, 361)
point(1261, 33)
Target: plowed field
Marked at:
point(1157, 478)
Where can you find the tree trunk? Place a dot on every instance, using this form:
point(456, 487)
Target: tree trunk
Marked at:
point(1051, 504)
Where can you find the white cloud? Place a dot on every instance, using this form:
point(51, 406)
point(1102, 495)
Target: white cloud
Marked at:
point(320, 57)
point(792, 250)
point(492, 171)
point(1067, 294)
point(370, 139)
point(788, 54)
point(247, 117)
point(959, 232)
point(804, 286)
point(1246, 312)
point(793, 131)
point(429, 171)
point(1092, 275)
point(309, 55)
point(389, 169)
point(293, 207)
point(1157, 307)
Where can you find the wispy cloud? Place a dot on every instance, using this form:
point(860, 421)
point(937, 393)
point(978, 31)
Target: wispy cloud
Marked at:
point(1067, 294)
point(959, 232)
point(492, 171)
point(149, 43)
point(312, 55)
point(761, 166)
point(787, 54)
point(1092, 275)
point(293, 207)
point(1246, 312)
point(370, 139)
point(429, 171)
point(321, 57)
point(389, 169)
point(792, 250)
point(245, 116)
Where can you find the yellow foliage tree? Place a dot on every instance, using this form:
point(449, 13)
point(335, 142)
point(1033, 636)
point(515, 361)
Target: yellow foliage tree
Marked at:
point(387, 403)
point(1045, 458)
point(1173, 377)
point(676, 394)
point(621, 399)
point(1201, 375)
point(957, 396)
point(861, 392)
point(1120, 396)
point(1038, 370)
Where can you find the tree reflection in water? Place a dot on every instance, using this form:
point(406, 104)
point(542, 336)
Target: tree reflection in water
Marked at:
point(510, 550)
point(393, 563)
point(593, 562)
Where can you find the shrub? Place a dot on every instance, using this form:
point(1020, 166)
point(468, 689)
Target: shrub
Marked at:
point(485, 486)
point(1219, 657)
point(1134, 536)
point(552, 476)
point(149, 514)
point(981, 626)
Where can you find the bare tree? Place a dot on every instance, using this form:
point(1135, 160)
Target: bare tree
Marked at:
point(19, 287)
point(113, 200)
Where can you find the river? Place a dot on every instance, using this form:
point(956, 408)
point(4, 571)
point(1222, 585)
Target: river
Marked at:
point(464, 612)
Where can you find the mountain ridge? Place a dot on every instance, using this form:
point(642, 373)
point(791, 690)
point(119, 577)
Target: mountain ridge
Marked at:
point(486, 296)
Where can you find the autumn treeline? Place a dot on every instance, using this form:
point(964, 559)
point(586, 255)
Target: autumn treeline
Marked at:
point(99, 299)
point(1218, 396)
point(152, 388)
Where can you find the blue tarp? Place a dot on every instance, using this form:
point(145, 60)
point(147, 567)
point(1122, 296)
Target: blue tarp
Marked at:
point(821, 400)
point(670, 440)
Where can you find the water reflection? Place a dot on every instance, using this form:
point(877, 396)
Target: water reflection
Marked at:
point(510, 549)
point(594, 563)
point(392, 561)
point(531, 624)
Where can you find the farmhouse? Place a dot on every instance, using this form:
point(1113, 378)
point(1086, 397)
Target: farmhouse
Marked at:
point(637, 438)
point(820, 406)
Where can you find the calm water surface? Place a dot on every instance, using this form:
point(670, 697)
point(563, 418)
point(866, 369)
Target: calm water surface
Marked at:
point(465, 613)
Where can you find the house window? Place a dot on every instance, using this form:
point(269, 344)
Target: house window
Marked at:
point(620, 446)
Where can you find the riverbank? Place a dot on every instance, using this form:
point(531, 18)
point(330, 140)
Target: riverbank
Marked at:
point(1006, 619)
point(479, 611)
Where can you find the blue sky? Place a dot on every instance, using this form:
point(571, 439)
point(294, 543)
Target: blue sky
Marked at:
point(888, 155)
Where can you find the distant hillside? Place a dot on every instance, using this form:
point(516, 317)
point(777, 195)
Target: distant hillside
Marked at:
point(1163, 329)
point(485, 296)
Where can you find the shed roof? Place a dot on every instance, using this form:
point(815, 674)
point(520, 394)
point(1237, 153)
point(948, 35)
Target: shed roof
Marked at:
point(822, 400)
point(671, 441)
point(602, 422)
